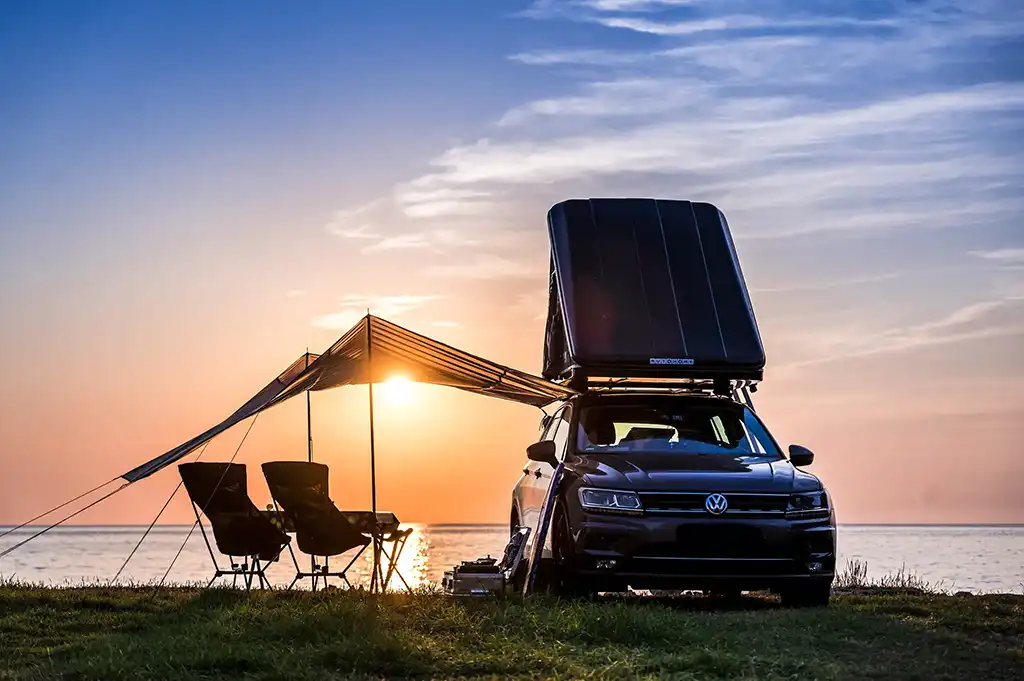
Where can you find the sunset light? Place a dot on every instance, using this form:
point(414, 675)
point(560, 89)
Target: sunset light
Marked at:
point(397, 390)
point(607, 309)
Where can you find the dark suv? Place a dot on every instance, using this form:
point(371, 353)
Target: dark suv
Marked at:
point(676, 492)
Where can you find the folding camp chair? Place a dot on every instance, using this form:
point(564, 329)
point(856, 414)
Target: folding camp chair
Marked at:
point(300, 489)
point(218, 490)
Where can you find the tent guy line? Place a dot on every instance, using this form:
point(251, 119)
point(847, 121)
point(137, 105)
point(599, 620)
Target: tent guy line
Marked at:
point(208, 500)
point(149, 529)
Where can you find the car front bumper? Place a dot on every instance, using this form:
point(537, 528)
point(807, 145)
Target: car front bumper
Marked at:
point(671, 552)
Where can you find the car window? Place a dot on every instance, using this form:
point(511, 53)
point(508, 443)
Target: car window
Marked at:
point(684, 426)
point(544, 427)
point(559, 432)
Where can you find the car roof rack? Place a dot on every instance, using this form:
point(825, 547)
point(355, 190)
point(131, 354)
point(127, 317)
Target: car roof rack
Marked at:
point(675, 385)
point(738, 390)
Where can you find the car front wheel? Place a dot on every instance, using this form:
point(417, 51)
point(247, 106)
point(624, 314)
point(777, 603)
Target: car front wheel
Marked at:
point(565, 582)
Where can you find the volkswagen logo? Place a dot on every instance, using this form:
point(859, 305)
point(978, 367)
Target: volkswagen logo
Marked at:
point(716, 504)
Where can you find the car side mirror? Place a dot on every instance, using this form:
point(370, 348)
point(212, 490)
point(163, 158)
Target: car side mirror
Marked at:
point(543, 451)
point(800, 456)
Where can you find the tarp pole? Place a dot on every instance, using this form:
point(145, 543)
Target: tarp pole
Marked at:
point(309, 457)
point(309, 421)
point(373, 461)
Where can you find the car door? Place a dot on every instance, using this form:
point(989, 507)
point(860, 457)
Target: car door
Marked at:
point(527, 492)
point(540, 473)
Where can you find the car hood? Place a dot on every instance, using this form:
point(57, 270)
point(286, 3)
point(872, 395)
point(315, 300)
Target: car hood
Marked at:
point(692, 472)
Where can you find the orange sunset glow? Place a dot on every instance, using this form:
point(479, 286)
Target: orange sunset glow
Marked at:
point(190, 202)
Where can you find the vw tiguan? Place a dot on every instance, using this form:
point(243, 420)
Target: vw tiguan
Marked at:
point(676, 492)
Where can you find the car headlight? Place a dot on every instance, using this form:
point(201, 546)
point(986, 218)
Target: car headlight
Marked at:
point(609, 500)
point(811, 503)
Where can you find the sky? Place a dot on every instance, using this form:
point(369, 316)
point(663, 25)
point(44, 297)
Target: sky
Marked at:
point(193, 193)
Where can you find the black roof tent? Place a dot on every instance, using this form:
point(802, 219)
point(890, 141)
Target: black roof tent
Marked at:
point(647, 288)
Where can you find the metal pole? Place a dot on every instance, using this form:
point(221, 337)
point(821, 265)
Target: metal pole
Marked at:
point(373, 461)
point(309, 421)
point(309, 457)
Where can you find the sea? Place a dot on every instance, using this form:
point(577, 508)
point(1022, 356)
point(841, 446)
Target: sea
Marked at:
point(975, 558)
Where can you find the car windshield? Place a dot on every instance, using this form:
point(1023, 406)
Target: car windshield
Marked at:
point(683, 426)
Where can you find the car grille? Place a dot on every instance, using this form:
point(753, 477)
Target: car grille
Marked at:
point(746, 504)
point(721, 541)
point(712, 568)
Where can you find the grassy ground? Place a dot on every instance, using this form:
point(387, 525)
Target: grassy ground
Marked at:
point(182, 633)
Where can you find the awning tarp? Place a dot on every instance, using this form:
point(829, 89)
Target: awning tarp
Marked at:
point(386, 349)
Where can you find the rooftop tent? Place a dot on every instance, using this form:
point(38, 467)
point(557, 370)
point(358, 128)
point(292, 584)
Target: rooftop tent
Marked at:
point(387, 349)
point(647, 288)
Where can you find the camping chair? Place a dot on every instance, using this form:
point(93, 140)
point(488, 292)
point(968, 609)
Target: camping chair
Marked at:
point(300, 489)
point(218, 490)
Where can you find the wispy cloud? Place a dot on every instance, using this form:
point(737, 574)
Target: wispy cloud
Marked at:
point(733, 23)
point(486, 266)
point(295, 293)
point(799, 118)
point(437, 240)
point(739, 54)
point(730, 135)
point(838, 283)
point(423, 199)
point(445, 324)
point(980, 320)
point(351, 224)
point(353, 307)
point(611, 99)
point(1002, 256)
point(633, 5)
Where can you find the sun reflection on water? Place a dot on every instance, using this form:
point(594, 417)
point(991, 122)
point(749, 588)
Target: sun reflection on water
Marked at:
point(413, 562)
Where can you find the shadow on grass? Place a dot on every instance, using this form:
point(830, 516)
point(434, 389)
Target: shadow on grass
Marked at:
point(184, 633)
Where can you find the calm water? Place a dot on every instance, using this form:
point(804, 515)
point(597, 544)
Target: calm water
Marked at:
point(969, 558)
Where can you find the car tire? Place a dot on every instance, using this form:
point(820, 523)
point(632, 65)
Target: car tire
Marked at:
point(565, 582)
point(814, 594)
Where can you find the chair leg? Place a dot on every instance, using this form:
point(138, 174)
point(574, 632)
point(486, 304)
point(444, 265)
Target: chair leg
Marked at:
point(264, 580)
point(258, 572)
point(378, 567)
point(393, 562)
point(351, 563)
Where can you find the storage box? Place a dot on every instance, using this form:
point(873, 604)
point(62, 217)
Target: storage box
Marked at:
point(459, 583)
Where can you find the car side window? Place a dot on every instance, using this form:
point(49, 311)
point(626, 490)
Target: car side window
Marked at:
point(544, 428)
point(559, 432)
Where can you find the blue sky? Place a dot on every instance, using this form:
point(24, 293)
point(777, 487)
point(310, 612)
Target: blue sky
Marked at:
point(181, 177)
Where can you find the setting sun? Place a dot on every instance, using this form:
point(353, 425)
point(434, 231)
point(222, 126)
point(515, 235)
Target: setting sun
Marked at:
point(397, 390)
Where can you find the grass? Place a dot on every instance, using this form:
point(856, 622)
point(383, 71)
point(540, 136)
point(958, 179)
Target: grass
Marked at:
point(855, 578)
point(187, 633)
